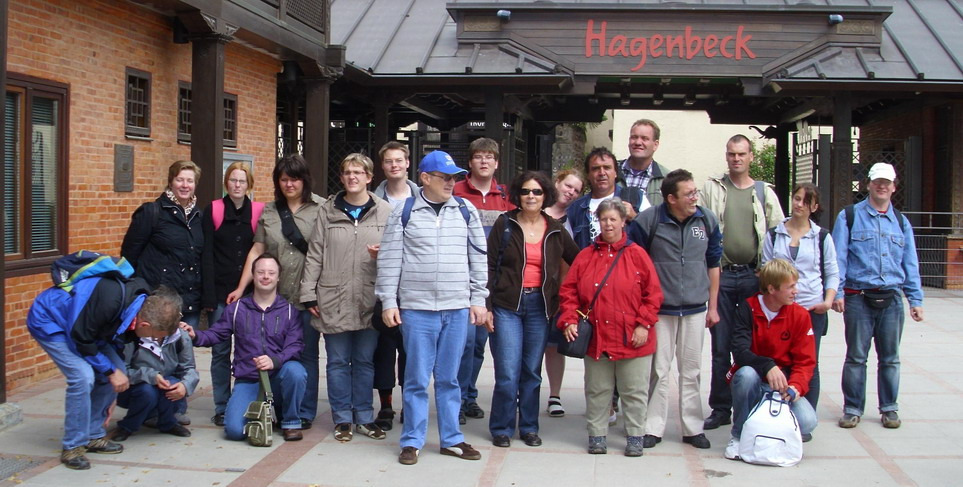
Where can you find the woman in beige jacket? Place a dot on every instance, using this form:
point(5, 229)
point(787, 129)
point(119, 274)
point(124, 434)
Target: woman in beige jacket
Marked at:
point(337, 287)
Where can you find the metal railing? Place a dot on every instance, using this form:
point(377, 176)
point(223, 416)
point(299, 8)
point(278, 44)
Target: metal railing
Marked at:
point(940, 256)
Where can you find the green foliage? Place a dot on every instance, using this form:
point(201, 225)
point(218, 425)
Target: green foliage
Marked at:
point(764, 166)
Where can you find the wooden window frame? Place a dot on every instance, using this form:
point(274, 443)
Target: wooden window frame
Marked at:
point(137, 130)
point(25, 261)
point(184, 105)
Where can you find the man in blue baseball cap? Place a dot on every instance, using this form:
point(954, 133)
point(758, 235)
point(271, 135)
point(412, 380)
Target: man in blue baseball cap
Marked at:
point(432, 276)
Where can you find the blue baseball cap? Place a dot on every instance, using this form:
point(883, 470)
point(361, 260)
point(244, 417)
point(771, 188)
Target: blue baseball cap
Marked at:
point(439, 161)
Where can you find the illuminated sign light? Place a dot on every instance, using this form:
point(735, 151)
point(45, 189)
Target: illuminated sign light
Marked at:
point(684, 46)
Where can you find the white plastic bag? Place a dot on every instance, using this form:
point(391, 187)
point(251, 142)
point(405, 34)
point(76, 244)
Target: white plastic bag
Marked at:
point(771, 435)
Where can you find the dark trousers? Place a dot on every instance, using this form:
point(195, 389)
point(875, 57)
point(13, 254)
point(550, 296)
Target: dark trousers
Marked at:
point(390, 351)
point(142, 401)
point(735, 286)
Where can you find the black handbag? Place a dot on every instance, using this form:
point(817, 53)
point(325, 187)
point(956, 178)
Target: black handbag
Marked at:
point(579, 347)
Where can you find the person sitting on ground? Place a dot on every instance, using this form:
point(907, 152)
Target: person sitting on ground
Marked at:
point(162, 375)
point(267, 336)
point(774, 350)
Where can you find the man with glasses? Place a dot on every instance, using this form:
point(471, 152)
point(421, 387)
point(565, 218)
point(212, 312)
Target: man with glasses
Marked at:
point(746, 210)
point(432, 277)
point(685, 244)
point(491, 200)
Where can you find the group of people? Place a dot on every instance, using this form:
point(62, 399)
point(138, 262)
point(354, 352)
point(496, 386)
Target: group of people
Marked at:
point(408, 282)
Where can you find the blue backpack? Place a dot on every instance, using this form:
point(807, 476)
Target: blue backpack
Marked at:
point(71, 268)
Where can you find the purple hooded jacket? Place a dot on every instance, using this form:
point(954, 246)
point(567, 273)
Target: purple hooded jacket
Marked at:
point(275, 332)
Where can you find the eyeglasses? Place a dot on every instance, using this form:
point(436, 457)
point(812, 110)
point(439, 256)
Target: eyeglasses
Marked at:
point(693, 195)
point(237, 181)
point(481, 157)
point(445, 177)
point(534, 191)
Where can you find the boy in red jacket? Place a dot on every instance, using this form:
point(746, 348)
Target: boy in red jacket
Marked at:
point(774, 349)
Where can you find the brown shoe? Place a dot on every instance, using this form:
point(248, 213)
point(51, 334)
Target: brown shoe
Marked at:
point(462, 450)
point(74, 458)
point(292, 434)
point(408, 456)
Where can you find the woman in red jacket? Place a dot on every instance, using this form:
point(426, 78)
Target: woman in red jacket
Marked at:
point(623, 340)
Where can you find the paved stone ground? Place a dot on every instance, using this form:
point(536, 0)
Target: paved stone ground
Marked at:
point(926, 451)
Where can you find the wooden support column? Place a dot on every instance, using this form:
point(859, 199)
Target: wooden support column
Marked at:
point(317, 125)
point(783, 170)
point(207, 112)
point(494, 119)
point(382, 134)
point(841, 163)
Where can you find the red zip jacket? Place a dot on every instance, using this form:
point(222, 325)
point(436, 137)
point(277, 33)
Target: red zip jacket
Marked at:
point(786, 341)
point(631, 297)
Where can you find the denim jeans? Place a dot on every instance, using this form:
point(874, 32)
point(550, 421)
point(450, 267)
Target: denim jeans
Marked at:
point(748, 388)
point(820, 326)
point(864, 325)
point(518, 344)
point(220, 365)
point(734, 287)
point(310, 359)
point(144, 400)
point(434, 341)
point(350, 375)
point(88, 395)
point(471, 362)
point(287, 385)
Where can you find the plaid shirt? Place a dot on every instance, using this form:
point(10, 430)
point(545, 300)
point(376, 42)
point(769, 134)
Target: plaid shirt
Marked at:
point(638, 179)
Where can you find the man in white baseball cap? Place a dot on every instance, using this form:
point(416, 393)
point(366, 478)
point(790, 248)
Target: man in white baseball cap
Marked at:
point(877, 266)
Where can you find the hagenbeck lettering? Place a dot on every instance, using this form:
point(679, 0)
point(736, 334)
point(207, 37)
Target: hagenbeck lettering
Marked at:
point(684, 46)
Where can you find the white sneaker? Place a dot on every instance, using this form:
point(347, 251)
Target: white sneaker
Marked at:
point(732, 449)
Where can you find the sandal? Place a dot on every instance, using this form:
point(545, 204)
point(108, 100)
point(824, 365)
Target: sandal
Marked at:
point(555, 408)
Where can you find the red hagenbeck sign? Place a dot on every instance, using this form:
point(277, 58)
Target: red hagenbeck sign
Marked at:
point(684, 46)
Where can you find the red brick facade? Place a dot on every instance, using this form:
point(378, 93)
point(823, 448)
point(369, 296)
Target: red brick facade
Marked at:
point(88, 45)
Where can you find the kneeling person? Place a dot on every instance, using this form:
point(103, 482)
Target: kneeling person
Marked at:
point(267, 336)
point(774, 349)
point(162, 374)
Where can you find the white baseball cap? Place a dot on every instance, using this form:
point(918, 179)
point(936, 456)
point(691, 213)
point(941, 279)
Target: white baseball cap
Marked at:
point(882, 170)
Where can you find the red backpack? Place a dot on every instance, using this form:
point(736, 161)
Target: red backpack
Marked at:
point(217, 213)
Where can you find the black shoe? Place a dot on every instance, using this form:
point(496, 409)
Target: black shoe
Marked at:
point(649, 441)
point(501, 441)
point(178, 430)
point(120, 434)
point(74, 458)
point(385, 419)
point(532, 439)
point(474, 411)
point(461, 417)
point(218, 419)
point(305, 424)
point(105, 446)
point(807, 437)
point(716, 419)
point(699, 441)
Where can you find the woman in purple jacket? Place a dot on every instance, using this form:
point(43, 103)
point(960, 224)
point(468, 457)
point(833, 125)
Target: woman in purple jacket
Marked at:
point(267, 336)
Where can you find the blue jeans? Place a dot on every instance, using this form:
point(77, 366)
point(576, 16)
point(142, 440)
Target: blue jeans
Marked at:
point(288, 386)
point(748, 388)
point(734, 287)
point(518, 344)
point(434, 341)
point(312, 365)
point(884, 327)
point(471, 362)
point(220, 365)
point(820, 326)
point(88, 395)
point(144, 400)
point(350, 371)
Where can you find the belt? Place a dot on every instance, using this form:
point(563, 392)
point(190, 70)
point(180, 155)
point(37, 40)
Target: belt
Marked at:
point(850, 292)
point(530, 290)
point(738, 267)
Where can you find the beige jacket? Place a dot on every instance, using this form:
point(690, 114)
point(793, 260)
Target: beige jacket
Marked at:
point(714, 198)
point(339, 274)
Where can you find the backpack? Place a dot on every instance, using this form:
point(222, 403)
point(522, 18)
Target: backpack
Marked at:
point(851, 219)
point(771, 434)
point(71, 268)
point(217, 213)
point(822, 240)
point(410, 203)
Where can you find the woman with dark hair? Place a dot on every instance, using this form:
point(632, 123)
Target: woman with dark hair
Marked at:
point(526, 251)
point(228, 225)
point(283, 230)
point(811, 250)
point(622, 315)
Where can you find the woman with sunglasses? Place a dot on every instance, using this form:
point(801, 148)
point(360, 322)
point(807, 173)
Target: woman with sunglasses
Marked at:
point(526, 249)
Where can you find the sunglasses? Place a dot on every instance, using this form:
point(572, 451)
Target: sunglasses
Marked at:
point(527, 191)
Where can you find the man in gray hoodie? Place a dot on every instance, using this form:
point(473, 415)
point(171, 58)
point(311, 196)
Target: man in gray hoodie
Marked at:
point(685, 244)
point(432, 276)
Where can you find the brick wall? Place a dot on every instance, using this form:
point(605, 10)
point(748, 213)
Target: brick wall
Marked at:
point(87, 45)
